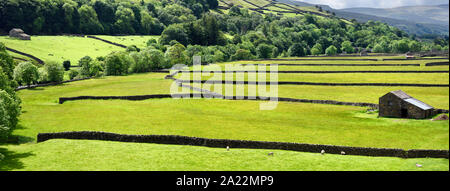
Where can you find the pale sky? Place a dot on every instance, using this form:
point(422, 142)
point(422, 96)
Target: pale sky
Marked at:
point(341, 4)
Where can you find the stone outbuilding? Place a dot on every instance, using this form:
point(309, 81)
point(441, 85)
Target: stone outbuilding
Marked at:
point(410, 56)
point(401, 105)
point(364, 52)
point(18, 33)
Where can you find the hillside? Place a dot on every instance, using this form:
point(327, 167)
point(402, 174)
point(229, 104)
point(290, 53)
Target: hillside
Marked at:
point(421, 14)
point(424, 18)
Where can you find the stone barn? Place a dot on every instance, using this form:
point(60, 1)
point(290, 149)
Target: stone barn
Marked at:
point(400, 105)
point(364, 52)
point(18, 33)
point(410, 56)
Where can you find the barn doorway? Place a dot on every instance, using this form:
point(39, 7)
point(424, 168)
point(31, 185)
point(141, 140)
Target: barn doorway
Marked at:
point(404, 113)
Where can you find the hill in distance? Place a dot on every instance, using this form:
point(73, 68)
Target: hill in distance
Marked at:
point(419, 20)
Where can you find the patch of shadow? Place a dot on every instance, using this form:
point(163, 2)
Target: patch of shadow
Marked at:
point(19, 139)
point(11, 160)
point(36, 89)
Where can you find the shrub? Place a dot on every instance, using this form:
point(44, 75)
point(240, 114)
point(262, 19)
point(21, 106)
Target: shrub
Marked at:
point(54, 71)
point(66, 65)
point(26, 73)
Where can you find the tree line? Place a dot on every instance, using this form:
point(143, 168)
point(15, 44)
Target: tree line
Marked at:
point(99, 16)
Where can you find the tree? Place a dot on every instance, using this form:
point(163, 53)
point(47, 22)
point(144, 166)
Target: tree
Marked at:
point(400, 46)
point(66, 65)
point(89, 23)
point(6, 61)
point(174, 32)
point(117, 64)
point(414, 46)
point(26, 73)
point(316, 49)
point(332, 50)
point(124, 20)
point(264, 51)
point(176, 55)
point(9, 113)
point(54, 71)
point(297, 50)
point(347, 47)
point(242, 54)
point(378, 48)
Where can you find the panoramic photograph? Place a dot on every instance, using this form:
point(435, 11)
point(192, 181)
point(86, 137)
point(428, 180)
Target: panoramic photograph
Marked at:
point(224, 85)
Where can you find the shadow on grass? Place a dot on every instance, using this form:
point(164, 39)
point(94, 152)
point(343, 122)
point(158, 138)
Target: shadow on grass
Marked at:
point(11, 160)
point(19, 139)
point(36, 89)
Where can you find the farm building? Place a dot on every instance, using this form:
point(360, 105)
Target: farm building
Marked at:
point(410, 56)
point(401, 105)
point(364, 52)
point(18, 33)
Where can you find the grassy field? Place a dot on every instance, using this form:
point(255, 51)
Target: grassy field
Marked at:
point(225, 119)
point(211, 118)
point(139, 41)
point(79, 155)
point(408, 78)
point(71, 48)
point(434, 96)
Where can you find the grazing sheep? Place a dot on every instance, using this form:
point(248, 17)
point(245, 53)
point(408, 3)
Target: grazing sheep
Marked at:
point(270, 154)
point(418, 165)
point(322, 152)
point(342, 153)
point(228, 148)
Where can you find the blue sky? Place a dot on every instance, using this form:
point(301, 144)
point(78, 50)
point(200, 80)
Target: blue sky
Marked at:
point(340, 4)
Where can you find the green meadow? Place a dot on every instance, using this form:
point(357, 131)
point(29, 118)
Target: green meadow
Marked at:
point(139, 41)
point(60, 48)
point(224, 119)
point(215, 118)
point(81, 155)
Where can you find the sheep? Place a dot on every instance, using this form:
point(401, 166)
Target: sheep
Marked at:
point(322, 152)
point(270, 154)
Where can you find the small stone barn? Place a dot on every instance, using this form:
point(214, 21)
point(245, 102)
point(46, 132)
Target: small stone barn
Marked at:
point(410, 56)
point(364, 52)
point(400, 105)
point(18, 33)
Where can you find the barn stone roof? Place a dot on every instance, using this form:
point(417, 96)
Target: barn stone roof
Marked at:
point(402, 95)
